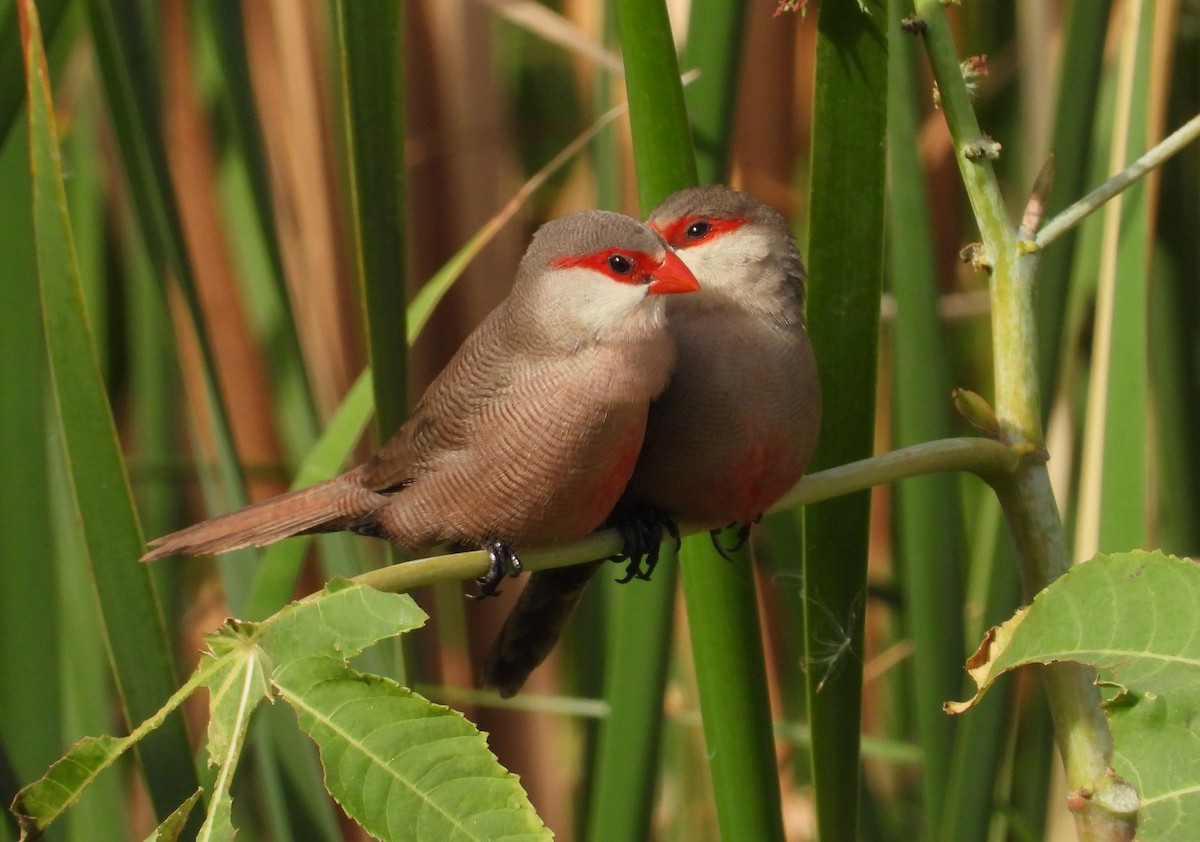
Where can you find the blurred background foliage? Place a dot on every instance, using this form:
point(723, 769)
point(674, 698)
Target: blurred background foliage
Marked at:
point(209, 177)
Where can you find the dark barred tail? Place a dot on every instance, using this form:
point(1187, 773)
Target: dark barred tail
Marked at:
point(534, 626)
point(326, 506)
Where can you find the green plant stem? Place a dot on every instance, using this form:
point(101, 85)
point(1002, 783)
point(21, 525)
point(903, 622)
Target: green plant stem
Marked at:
point(1093, 201)
point(792, 733)
point(369, 36)
point(927, 529)
point(1102, 809)
point(991, 461)
point(845, 261)
point(714, 44)
point(663, 159)
point(628, 745)
point(635, 677)
point(1085, 30)
point(731, 674)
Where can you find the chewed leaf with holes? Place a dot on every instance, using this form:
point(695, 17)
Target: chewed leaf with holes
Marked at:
point(1136, 618)
point(339, 623)
point(403, 767)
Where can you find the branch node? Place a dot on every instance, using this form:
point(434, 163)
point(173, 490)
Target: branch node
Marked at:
point(977, 411)
point(1035, 208)
point(973, 254)
point(984, 147)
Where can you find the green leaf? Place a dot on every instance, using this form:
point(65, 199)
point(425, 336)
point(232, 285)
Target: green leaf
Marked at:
point(927, 528)
point(236, 686)
point(401, 766)
point(1158, 751)
point(845, 263)
point(12, 92)
point(133, 625)
point(1132, 616)
point(343, 619)
point(348, 617)
point(173, 825)
point(1112, 508)
point(369, 41)
point(44, 800)
point(40, 803)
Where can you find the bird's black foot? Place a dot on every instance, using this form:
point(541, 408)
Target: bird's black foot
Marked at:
point(504, 562)
point(642, 529)
point(743, 535)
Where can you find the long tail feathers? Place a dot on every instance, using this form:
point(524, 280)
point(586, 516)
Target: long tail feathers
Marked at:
point(534, 626)
point(331, 504)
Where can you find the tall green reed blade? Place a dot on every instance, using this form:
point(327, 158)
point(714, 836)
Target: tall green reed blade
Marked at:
point(663, 156)
point(1176, 301)
point(12, 91)
point(124, 57)
point(929, 527)
point(369, 35)
point(1079, 84)
point(1112, 513)
point(133, 626)
point(714, 45)
point(627, 756)
point(31, 723)
point(845, 246)
point(729, 661)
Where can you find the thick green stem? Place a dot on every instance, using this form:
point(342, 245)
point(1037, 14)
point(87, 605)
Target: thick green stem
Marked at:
point(989, 460)
point(1101, 801)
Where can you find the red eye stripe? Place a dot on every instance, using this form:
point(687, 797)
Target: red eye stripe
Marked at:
point(642, 264)
point(675, 231)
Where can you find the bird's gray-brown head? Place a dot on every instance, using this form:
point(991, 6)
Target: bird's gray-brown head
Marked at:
point(595, 272)
point(740, 249)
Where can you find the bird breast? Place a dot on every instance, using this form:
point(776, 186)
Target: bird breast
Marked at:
point(737, 424)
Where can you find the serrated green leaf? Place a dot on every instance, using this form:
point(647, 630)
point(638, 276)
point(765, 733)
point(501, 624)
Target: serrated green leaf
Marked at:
point(236, 687)
point(40, 803)
point(348, 617)
point(44, 800)
point(1158, 751)
point(173, 825)
point(401, 766)
point(218, 822)
point(1133, 617)
point(343, 619)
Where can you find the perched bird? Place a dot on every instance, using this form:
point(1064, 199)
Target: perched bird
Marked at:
point(529, 435)
point(738, 423)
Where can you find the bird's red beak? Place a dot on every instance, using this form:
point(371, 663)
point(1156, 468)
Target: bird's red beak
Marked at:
point(672, 276)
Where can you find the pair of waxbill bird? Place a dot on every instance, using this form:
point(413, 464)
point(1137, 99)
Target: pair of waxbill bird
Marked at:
point(585, 398)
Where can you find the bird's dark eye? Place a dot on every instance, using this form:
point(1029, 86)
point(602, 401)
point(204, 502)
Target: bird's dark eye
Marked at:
point(698, 230)
point(620, 264)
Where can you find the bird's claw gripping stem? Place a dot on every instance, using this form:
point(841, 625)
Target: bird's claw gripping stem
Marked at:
point(642, 529)
point(743, 535)
point(503, 562)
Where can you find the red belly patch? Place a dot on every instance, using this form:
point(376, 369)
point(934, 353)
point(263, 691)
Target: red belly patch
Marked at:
point(762, 473)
